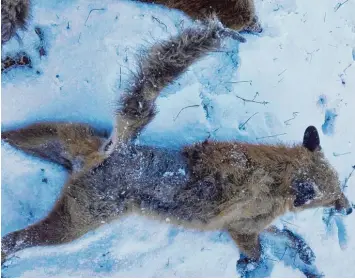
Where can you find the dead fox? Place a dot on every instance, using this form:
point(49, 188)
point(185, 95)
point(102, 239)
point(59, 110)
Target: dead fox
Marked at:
point(237, 187)
point(14, 16)
point(235, 14)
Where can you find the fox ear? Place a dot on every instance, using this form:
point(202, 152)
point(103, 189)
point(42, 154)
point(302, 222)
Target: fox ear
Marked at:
point(311, 139)
point(304, 192)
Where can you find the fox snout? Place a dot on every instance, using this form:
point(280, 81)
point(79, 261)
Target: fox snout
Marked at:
point(342, 205)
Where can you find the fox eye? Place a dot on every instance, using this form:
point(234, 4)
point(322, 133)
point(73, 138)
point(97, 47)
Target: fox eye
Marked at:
point(304, 192)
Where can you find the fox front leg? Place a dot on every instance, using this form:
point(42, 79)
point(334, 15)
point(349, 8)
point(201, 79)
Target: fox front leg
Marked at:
point(249, 244)
point(250, 263)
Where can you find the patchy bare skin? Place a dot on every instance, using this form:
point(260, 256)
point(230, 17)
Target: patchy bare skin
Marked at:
point(238, 187)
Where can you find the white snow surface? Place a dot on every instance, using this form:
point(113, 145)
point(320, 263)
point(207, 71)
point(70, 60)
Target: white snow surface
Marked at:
point(302, 65)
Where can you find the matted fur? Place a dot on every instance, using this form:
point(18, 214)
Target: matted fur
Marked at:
point(238, 187)
point(14, 16)
point(235, 14)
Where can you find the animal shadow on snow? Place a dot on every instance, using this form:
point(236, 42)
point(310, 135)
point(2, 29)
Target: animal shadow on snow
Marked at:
point(298, 255)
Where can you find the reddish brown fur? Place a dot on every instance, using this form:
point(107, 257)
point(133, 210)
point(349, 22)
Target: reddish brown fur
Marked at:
point(235, 14)
point(69, 144)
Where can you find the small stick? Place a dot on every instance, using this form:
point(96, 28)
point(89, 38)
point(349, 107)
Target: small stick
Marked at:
point(242, 125)
point(294, 116)
point(271, 136)
point(337, 7)
point(345, 184)
point(192, 106)
point(160, 22)
point(282, 72)
point(251, 101)
point(241, 81)
point(340, 154)
point(102, 9)
point(347, 67)
point(120, 76)
point(282, 220)
point(210, 133)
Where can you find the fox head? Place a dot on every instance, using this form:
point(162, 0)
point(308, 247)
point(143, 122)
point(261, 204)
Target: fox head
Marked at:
point(317, 183)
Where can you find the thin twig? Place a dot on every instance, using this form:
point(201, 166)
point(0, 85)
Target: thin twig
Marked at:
point(160, 22)
point(120, 77)
point(282, 220)
point(337, 7)
point(180, 25)
point(345, 184)
point(102, 9)
point(347, 68)
point(340, 154)
point(242, 125)
point(241, 81)
point(271, 136)
point(192, 106)
point(294, 116)
point(256, 95)
point(311, 54)
point(210, 133)
point(282, 72)
point(252, 101)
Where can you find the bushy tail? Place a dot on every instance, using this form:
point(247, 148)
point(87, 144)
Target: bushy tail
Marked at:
point(159, 66)
point(14, 15)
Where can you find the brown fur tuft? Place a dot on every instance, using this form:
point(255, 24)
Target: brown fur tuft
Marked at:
point(235, 14)
point(159, 66)
point(14, 16)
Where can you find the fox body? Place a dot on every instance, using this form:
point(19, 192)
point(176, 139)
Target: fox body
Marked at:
point(238, 187)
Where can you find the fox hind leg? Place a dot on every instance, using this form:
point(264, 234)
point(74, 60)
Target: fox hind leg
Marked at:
point(66, 222)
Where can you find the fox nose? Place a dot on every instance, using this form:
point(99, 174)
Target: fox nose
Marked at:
point(349, 211)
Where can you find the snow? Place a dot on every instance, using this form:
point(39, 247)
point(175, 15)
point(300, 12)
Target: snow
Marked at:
point(300, 72)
